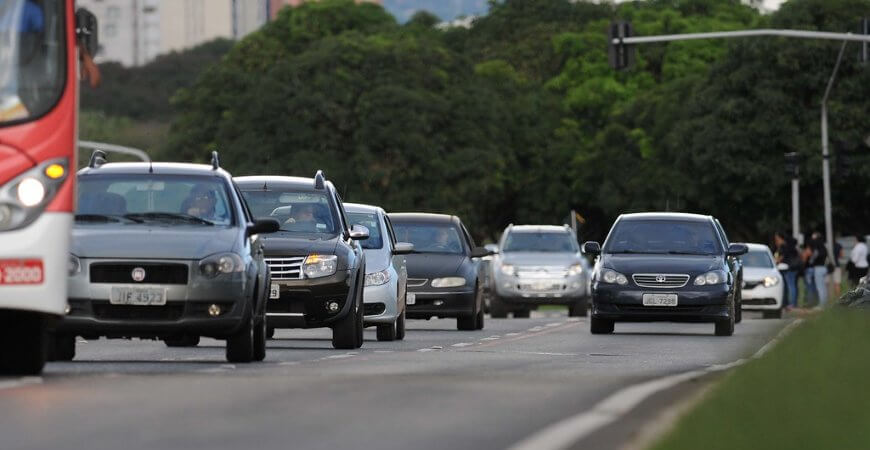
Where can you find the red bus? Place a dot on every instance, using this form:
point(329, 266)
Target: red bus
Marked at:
point(39, 78)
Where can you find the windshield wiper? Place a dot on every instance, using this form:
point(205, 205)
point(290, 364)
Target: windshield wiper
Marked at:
point(676, 252)
point(168, 216)
point(632, 252)
point(96, 218)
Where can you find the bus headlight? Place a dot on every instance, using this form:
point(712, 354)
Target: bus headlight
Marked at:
point(31, 192)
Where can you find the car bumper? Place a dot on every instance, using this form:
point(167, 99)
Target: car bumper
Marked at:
point(762, 298)
point(381, 304)
point(694, 305)
point(441, 304)
point(304, 303)
point(542, 291)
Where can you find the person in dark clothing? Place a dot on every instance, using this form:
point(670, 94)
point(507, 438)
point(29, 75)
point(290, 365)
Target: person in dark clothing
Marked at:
point(818, 259)
point(788, 259)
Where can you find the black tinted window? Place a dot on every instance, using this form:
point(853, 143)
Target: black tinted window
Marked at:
point(429, 237)
point(304, 212)
point(663, 236)
point(523, 241)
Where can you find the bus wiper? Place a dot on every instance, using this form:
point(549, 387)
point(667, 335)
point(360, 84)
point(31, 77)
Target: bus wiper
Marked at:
point(168, 216)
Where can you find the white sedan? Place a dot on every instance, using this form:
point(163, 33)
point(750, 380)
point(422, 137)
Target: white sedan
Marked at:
point(763, 286)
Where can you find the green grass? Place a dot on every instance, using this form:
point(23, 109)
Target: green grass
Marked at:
point(812, 391)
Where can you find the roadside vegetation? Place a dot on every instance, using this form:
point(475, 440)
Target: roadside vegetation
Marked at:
point(809, 392)
point(521, 118)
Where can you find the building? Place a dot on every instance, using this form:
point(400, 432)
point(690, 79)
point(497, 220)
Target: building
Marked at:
point(133, 32)
point(277, 5)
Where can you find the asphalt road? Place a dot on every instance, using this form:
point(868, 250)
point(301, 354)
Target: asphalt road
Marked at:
point(440, 388)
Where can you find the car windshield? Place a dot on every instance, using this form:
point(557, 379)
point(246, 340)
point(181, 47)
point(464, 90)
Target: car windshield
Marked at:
point(31, 57)
point(757, 258)
point(522, 241)
point(663, 237)
point(298, 212)
point(167, 199)
point(430, 237)
point(370, 221)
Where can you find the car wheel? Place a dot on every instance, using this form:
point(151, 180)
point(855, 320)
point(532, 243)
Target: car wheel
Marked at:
point(270, 332)
point(600, 326)
point(63, 348)
point(522, 314)
point(739, 316)
point(360, 325)
point(260, 337)
point(240, 346)
point(775, 314)
point(387, 332)
point(726, 327)
point(400, 327)
point(181, 341)
point(479, 321)
point(466, 323)
point(579, 308)
point(344, 334)
point(496, 308)
point(22, 344)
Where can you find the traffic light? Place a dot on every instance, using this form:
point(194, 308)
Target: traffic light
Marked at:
point(792, 164)
point(621, 54)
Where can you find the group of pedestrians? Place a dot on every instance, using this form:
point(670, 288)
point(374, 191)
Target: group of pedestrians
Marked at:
point(812, 263)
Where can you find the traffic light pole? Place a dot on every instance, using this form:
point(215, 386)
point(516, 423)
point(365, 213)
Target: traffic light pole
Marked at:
point(795, 208)
point(826, 156)
point(742, 33)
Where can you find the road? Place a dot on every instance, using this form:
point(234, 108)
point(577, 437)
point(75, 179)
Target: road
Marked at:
point(440, 388)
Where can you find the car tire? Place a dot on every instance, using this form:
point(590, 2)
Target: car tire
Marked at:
point(260, 337)
point(466, 323)
point(738, 317)
point(344, 332)
point(579, 308)
point(388, 332)
point(63, 347)
point(270, 332)
point(240, 346)
point(601, 326)
point(181, 341)
point(23, 342)
point(400, 327)
point(726, 327)
point(522, 314)
point(479, 320)
point(497, 309)
point(774, 314)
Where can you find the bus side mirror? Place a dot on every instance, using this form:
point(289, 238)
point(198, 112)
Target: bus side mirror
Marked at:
point(87, 31)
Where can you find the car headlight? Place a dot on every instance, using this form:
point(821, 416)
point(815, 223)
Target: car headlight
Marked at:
point(318, 266)
point(613, 277)
point(713, 277)
point(378, 278)
point(508, 269)
point(770, 281)
point(215, 265)
point(26, 196)
point(576, 269)
point(74, 266)
point(448, 282)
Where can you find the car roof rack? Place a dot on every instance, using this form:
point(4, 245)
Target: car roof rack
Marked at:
point(215, 160)
point(102, 149)
point(319, 180)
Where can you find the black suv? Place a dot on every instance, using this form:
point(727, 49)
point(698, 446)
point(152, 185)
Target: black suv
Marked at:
point(318, 268)
point(665, 267)
point(165, 251)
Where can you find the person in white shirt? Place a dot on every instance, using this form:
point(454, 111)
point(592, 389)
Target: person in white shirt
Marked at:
point(858, 258)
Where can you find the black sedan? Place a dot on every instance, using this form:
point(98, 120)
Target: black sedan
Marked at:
point(665, 267)
point(444, 279)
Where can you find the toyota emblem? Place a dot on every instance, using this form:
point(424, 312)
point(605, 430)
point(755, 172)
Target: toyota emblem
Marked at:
point(660, 278)
point(138, 274)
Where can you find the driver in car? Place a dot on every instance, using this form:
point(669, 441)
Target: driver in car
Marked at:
point(200, 203)
point(443, 241)
point(303, 217)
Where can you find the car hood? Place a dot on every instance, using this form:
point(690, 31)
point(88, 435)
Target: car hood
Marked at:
point(539, 258)
point(689, 264)
point(433, 265)
point(151, 242)
point(377, 259)
point(758, 273)
point(285, 243)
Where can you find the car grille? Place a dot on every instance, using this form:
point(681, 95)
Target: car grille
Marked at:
point(660, 280)
point(154, 273)
point(417, 282)
point(758, 301)
point(106, 311)
point(541, 272)
point(752, 284)
point(286, 268)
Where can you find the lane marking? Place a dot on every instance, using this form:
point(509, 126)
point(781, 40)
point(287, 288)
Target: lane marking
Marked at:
point(20, 382)
point(536, 328)
point(569, 431)
point(511, 334)
point(553, 324)
point(463, 344)
point(562, 327)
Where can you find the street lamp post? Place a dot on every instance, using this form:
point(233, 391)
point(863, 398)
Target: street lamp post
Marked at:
point(826, 166)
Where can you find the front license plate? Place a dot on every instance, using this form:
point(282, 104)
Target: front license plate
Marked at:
point(659, 299)
point(138, 296)
point(21, 271)
point(410, 299)
point(275, 291)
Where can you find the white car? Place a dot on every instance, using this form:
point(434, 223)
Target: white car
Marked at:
point(763, 286)
point(385, 295)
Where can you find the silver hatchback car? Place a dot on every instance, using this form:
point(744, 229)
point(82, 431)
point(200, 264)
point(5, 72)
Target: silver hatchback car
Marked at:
point(385, 295)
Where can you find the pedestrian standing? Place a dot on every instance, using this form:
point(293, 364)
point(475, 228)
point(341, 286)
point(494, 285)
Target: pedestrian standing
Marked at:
point(810, 297)
point(837, 275)
point(858, 258)
point(788, 260)
point(818, 258)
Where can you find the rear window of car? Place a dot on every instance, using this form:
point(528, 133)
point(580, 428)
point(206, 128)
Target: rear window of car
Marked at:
point(663, 237)
point(371, 222)
point(526, 241)
point(430, 237)
point(757, 258)
point(302, 212)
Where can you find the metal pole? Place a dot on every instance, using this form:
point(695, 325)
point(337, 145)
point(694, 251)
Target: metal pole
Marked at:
point(826, 166)
point(744, 33)
point(795, 208)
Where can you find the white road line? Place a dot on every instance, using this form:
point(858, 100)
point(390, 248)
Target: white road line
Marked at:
point(20, 382)
point(511, 334)
point(491, 338)
point(571, 430)
point(424, 350)
point(463, 344)
point(384, 351)
point(554, 324)
point(536, 328)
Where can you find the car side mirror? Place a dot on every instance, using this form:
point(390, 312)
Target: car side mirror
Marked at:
point(592, 248)
point(403, 248)
point(480, 252)
point(263, 226)
point(493, 248)
point(358, 233)
point(737, 249)
point(87, 31)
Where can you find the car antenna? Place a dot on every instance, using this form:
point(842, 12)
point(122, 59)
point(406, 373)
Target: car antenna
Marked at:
point(318, 180)
point(265, 185)
point(215, 160)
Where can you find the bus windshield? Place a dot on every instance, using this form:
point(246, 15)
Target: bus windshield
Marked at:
point(32, 56)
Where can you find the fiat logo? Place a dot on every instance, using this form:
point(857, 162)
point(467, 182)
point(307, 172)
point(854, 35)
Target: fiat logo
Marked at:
point(138, 274)
point(660, 278)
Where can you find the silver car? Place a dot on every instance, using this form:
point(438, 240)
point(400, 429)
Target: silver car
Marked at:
point(538, 265)
point(385, 295)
